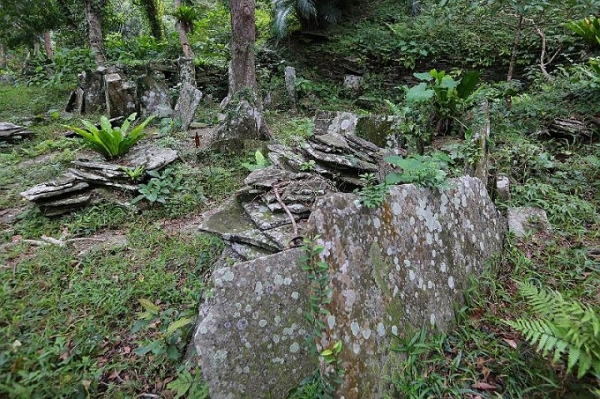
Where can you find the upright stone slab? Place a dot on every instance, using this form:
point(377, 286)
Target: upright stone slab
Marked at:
point(398, 268)
point(290, 86)
point(251, 336)
point(154, 96)
point(120, 96)
point(189, 96)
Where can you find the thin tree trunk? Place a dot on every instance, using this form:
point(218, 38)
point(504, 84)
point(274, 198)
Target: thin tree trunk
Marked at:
point(242, 50)
point(36, 48)
point(48, 45)
point(3, 57)
point(513, 56)
point(93, 14)
point(152, 9)
point(183, 37)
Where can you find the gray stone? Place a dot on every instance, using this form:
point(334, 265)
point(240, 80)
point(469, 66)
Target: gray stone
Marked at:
point(248, 252)
point(10, 132)
point(503, 188)
point(251, 334)
point(398, 268)
point(335, 122)
point(154, 96)
point(56, 188)
point(189, 96)
point(290, 86)
point(264, 218)
point(120, 96)
point(525, 220)
point(230, 222)
point(241, 122)
point(392, 270)
point(352, 83)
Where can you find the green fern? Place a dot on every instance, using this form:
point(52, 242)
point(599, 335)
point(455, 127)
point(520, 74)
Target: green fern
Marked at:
point(562, 327)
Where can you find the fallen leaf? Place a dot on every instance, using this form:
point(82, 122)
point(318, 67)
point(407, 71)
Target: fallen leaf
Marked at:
point(16, 239)
point(484, 386)
point(510, 343)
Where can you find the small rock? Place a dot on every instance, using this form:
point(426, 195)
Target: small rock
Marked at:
point(522, 220)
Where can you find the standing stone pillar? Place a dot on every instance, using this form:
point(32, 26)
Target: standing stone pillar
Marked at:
point(120, 96)
point(189, 96)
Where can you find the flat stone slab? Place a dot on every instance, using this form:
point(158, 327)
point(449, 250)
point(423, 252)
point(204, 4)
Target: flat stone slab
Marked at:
point(10, 131)
point(251, 335)
point(56, 188)
point(522, 220)
point(230, 222)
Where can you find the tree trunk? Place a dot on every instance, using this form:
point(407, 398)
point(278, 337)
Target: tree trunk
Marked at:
point(3, 56)
point(152, 9)
point(183, 37)
point(513, 56)
point(48, 45)
point(93, 13)
point(242, 50)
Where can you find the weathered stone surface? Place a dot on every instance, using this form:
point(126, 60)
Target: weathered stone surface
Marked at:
point(352, 83)
point(398, 268)
point(10, 132)
point(189, 96)
point(392, 270)
point(120, 96)
point(335, 122)
point(55, 188)
point(251, 335)
point(242, 121)
point(503, 188)
point(523, 220)
point(290, 86)
point(154, 96)
point(231, 223)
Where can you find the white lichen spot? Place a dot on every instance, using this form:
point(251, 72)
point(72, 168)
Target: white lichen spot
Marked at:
point(268, 269)
point(396, 290)
point(295, 347)
point(396, 209)
point(481, 245)
point(451, 282)
point(277, 320)
point(220, 356)
point(248, 345)
point(390, 251)
point(228, 275)
point(395, 330)
point(356, 348)
point(420, 285)
point(246, 370)
point(406, 263)
point(380, 329)
point(278, 360)
point(397, 268)
point(429, 238)
point(258, 288)
point(299, 311)
point(434, 253)
point(248, 308)
point(203, 330)
point(350, 297)
point(432, 319)
point(430, 284)
point(287, 281)
point(355, 328)
point(278, 280)
point(376, 223)
point(344, 267)
point(262, 323)
point(218, 282)
point(443, 267)
point(295, 295)
point(331, 321)
point(411, 275)
point(366, 333)
point(276, 338)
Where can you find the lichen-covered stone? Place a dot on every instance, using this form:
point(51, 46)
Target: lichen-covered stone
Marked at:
point(250, 339)
point(398, 268)
point(524, 220)
point(392, 270)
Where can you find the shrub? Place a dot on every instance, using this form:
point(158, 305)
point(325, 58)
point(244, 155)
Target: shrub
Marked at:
point(111, 142)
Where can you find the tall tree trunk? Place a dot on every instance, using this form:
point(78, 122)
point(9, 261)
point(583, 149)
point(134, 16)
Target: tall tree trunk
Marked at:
point(93, 13)
point(48, 45)
point(243, 72)
point(183, 37)
point(152, 9)
point(513, 55)
point(3, 56)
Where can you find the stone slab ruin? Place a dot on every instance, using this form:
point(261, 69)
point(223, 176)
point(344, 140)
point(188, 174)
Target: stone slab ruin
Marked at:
point(11, 132)
point(73, 190)
point(392, 270)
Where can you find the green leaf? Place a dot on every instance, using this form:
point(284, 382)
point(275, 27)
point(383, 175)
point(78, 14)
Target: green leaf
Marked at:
point(419, 93)
point(176, 325)
point(467, 84)
point(149, 306)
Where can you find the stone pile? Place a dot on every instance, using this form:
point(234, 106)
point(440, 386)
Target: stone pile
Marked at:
point(268, 215)
point(11, 132)
point(74, 189)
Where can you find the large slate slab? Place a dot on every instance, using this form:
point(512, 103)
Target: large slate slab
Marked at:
point(251, 335)
point(392, 270)
point(398, 268)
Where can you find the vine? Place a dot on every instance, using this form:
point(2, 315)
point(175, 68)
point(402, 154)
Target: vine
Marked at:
point(324, 381)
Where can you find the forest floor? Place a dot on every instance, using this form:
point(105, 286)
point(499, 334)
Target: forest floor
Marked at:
point(89, 318)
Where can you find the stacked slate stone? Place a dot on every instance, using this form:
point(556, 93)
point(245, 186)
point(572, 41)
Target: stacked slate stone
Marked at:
point(11, 132)
point(268, 215)
point(74, 189)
